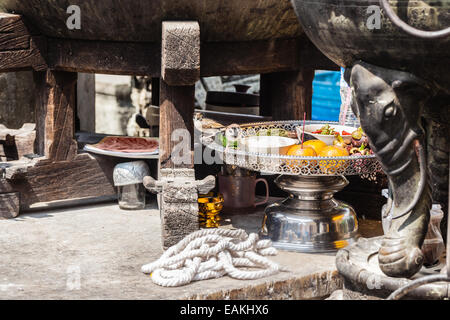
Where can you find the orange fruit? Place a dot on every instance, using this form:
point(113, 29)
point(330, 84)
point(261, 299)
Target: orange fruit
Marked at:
point(317, 145)
point(332, 166)
point(299, 151)
point(333, 151)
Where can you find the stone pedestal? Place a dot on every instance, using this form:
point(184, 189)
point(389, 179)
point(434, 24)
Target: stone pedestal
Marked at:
point(178, 202)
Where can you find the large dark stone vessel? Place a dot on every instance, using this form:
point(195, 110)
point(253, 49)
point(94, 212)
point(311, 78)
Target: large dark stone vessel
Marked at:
point(345, 31)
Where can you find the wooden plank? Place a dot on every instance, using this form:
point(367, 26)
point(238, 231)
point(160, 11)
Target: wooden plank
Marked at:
point(11, 40)
point(55, 110)
point(176, 113)
point(180, 52)
point(287, 95)
point(85, 176)
point(9, 205)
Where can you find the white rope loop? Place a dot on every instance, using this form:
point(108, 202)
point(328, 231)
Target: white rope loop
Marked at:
point(214, 253)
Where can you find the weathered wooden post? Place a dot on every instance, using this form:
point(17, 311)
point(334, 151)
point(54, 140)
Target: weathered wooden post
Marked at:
point(17, 50)
point(55, 114)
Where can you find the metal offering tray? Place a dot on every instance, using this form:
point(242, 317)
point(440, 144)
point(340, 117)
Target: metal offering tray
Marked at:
point(310, 219)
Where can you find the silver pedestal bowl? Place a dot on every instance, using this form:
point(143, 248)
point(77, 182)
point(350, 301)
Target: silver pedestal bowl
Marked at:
point(310, 219)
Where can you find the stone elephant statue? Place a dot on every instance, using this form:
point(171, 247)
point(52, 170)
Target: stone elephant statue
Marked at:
point(407, 121)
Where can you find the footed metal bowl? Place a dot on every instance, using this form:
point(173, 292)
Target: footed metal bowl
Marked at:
point(310, 219)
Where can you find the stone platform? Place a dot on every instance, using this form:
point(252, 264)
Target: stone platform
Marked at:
point(96, 252)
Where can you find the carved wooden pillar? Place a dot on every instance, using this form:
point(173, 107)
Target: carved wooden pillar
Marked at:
point(180, 69)
point(287, 95)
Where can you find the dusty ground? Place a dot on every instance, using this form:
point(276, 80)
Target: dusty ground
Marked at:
point(96, 252)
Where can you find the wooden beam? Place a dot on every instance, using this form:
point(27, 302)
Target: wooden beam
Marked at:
point(259, 57)
point(217, 58)
point(84, 177)
point(223, 58)
point(180, 52)
point(18, 49)
point(287, 95)
point(121, 58)
point(55, 114)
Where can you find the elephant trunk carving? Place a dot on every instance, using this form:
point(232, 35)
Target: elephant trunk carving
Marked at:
point(390, 105)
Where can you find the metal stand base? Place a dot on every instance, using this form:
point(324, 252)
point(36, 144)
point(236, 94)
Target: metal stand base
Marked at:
point(310, 219)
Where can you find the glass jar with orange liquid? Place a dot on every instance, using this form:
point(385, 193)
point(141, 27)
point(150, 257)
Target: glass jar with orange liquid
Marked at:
point(209, 206)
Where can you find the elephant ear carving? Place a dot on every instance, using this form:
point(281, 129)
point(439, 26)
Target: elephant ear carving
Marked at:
point(411, 87)
point(411, 94)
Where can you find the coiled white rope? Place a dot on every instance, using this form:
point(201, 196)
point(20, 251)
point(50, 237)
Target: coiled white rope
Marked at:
point(213, 253)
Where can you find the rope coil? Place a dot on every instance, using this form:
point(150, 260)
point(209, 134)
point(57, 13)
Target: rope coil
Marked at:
point(214, 253)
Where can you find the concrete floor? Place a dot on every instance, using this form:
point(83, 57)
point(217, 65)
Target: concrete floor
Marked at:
point(96, 252)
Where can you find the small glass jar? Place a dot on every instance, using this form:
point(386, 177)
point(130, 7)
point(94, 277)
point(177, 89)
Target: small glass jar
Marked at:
point(128, 178)
point(131, 197)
